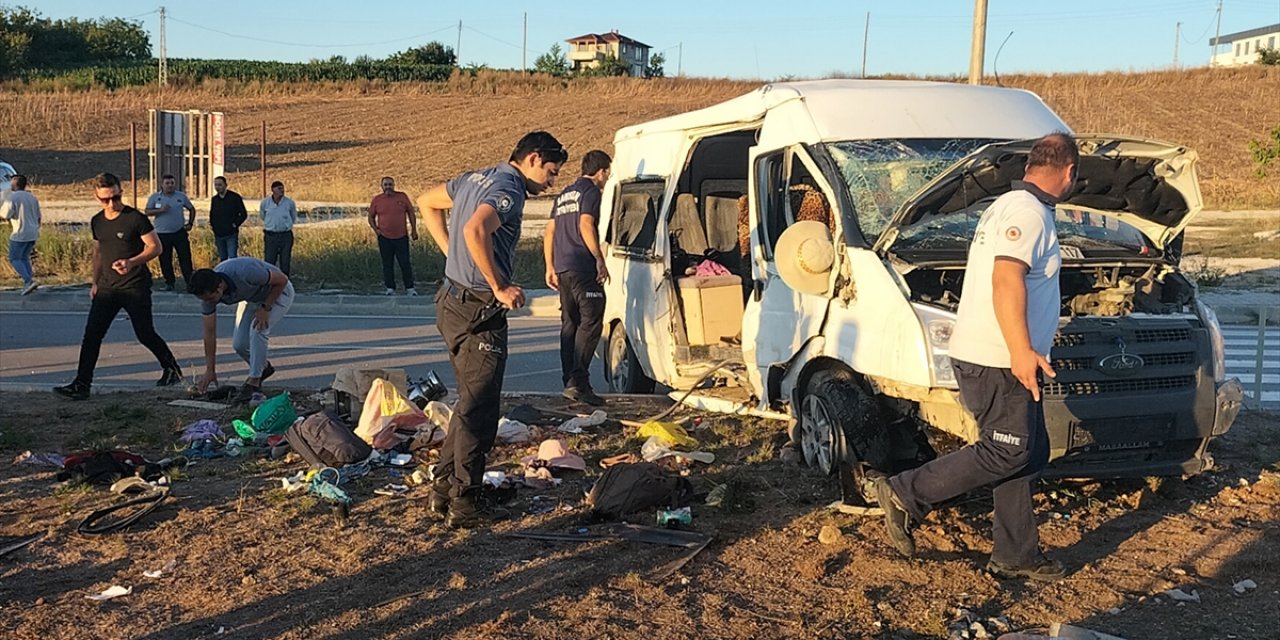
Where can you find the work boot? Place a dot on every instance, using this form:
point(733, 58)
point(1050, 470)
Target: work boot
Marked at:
point(75, 391)
point(438, 502)
point(476, 509)
point(170, 377)
point(1044, 570)
point(267, 372)
point(897, 521)
point(583, 395)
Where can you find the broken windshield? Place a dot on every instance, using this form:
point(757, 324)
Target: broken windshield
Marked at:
point(1082, 234)
point(880, 175)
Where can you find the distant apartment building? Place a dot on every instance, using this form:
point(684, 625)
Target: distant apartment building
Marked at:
point(1242, 48)
point(588, 51)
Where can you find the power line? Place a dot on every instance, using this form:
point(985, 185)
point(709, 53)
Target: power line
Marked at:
point(493, 38)
point(308, 44)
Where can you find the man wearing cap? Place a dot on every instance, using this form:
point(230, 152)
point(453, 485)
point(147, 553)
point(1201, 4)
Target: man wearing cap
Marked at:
point(166, 206)
point(479, 242)
point(392, 219)
point(263, 294)
point(575, 267)
point(279, 214)
point(1004, 328)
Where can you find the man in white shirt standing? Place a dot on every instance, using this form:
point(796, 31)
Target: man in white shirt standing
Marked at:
point(165, 207)
point(1004, 329)
point(279, 214)
point(22, 210)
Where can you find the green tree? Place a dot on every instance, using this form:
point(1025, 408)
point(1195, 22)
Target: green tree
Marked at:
point(1264, 152)
point(552, 62)
point(30, 41)
point(610, 66)
point(1269, 56)
point(655, 69)
point(429, 53)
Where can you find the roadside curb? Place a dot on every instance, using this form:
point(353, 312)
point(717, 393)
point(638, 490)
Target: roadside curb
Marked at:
point(541, 303)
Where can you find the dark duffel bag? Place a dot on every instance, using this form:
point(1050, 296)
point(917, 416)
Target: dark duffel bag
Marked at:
point(628, 488)
point(324, 440)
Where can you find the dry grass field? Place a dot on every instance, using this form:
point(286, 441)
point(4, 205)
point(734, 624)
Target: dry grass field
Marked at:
point(332, 142)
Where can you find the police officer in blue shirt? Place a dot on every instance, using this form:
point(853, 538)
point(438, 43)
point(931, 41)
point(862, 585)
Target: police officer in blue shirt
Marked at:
point(479, 242)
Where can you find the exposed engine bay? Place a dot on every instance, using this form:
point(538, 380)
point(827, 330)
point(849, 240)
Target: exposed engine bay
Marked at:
point(1088, 290)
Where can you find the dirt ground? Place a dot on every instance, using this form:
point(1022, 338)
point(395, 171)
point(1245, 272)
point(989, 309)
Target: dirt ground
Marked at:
point(252, 561)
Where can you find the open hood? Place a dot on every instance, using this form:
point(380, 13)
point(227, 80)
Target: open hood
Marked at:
point(1148, 184)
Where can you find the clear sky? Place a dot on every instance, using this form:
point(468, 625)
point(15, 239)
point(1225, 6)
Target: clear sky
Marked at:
point(764, 39)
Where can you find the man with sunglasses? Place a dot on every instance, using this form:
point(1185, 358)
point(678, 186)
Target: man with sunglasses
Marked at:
point(123, 242)
point(479, 242)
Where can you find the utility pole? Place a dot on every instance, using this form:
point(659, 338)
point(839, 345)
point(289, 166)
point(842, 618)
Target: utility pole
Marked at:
point(457, 50)
point(979, 41)
point(680, 59)
point(1177, 35)
point(866, 29)
point(524, 50)
point(1216, 33)
point(164, 57)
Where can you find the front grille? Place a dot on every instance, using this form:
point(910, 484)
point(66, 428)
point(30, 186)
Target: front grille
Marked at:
point(1088, 388)
point(1121, 431)
point(1070, 339)
point(1162, 335)
point(1151, 360)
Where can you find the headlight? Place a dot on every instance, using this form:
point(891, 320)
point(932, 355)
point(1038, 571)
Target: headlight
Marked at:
point(1219, 343)
point(938, 326)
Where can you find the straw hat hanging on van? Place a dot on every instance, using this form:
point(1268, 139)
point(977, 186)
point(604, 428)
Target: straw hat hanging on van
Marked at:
point(804, 255)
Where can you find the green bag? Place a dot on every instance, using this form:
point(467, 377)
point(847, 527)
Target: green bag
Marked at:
point(272, 417)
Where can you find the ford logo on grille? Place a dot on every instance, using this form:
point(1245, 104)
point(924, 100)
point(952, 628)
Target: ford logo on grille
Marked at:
point(1120, 364)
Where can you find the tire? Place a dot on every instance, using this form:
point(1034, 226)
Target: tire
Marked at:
point(622, 371)
point(840, 425)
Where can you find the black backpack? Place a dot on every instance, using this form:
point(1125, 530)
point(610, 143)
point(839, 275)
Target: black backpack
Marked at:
point(324, 440)
point(628, 488)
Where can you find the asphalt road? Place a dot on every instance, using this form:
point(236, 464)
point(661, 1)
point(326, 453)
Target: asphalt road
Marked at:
point(38, 350)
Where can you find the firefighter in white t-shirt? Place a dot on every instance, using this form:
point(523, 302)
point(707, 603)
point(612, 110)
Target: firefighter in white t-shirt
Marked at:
point(1005, 325)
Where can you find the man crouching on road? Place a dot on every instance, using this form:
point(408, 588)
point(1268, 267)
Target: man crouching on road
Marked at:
point(479, 243)
point(1005, 325)
point(264, 294)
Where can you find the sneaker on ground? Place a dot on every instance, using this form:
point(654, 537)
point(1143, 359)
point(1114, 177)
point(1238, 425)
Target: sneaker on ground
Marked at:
point(171, 376)
point(31, 287)
point(245, 393)
point(389, 292)
point(896, 520)
point(583, 395)
point(76, 390)
point(411, 292)
point(267, 372)
point(168, 286)
point(1045, 570)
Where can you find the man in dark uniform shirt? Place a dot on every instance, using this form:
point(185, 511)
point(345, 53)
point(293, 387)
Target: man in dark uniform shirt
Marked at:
point(123, 242)
point(575, 267)
point(479, 243)
point(226, 214)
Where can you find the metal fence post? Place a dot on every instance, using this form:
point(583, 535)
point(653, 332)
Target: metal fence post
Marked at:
point(1258, 359)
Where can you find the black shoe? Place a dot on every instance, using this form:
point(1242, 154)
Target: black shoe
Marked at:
point(171, 376)
point(75, 391)
point(168, 286)
point(897, 521)
point(245, 393)
point(438, 503)
point(466, 512)
point(1045, 570)
point(267, 372)
point(583, 395)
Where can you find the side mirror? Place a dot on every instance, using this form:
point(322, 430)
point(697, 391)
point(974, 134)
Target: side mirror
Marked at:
point(804, 256)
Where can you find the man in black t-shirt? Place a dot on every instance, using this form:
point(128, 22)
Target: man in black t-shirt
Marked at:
point(575, 267)
point(226, 214)
point(123, 242)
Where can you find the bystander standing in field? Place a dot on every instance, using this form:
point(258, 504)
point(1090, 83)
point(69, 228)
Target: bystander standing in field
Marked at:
point(226, 214)
point(1004, 329)
point(279, 214)
point(22, 210)
point(124, 240)
point(263, 295)
point(166, 207)
point(479, 242)
point(575, 267)
point(392, 218)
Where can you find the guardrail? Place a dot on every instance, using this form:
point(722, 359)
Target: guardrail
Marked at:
point(1264, 347)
